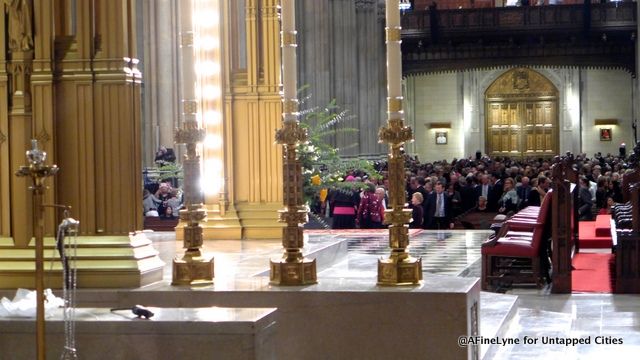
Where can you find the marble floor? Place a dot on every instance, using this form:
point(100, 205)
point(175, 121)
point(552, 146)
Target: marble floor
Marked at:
point(598, 320)
point(607, 324)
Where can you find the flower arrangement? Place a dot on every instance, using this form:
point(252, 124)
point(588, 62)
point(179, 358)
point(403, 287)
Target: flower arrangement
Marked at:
point(322, 165)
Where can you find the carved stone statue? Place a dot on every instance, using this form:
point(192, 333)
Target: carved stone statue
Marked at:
point(20, 24)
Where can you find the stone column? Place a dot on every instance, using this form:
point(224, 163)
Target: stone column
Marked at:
point(161, 91)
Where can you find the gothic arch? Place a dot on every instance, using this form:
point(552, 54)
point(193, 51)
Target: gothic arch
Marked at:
point(521, 115)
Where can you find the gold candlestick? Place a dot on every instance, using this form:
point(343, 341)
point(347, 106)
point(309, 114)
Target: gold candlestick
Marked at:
point(399, 268)
point(38, 172)
point(193, 268)
point(292, 268)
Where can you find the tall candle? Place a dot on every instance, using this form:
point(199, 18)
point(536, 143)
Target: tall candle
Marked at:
point(289, 71)
point(394, 55)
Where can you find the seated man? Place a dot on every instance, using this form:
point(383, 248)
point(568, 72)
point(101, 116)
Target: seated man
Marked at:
point(585, 201)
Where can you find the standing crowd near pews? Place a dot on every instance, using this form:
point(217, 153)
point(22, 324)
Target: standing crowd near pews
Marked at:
point(443, 194)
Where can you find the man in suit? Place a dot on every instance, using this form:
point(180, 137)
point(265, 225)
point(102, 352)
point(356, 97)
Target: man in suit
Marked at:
point(438, 209)
point(497, 190)
point(485, 189)
point(523, 192)
point(584, 201)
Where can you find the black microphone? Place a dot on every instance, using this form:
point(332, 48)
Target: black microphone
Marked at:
point(138, 310)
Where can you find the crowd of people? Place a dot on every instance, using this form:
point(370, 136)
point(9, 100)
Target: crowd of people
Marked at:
point(165, 203)
point(441, 192)
point(162, 199)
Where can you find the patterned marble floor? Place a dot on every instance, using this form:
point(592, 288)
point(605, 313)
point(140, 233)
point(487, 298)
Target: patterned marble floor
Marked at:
point(443, 252)
point(539, 314)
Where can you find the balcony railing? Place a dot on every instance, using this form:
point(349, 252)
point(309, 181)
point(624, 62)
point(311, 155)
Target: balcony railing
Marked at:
point(532, 19)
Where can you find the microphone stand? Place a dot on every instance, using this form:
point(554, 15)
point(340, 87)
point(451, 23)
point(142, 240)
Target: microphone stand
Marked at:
point(38, 172)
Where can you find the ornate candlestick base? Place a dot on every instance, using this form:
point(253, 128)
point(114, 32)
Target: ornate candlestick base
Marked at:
point(193, 268)
point(291, 272)
point(398, 270)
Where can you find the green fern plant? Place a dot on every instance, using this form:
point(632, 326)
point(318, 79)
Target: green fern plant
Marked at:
point(319, 158)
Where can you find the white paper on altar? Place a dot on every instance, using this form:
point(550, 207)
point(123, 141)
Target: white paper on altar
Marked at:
point(24, 304)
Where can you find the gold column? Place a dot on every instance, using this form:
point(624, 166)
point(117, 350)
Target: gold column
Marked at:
point(399, 268)
point(293, 268)
point(5, 168)
point(20, 129)
point(75, 133)
point(252, 113)
point(116, 94)
point(207, 23)
point(94, 94)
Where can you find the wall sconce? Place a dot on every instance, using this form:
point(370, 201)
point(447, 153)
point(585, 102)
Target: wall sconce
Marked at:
point(438, 125)
point(606, 122)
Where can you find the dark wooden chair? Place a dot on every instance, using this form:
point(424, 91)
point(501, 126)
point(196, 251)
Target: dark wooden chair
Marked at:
point(518, 253)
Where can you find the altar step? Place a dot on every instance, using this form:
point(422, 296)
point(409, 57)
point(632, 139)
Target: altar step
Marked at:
point(197, 333)
point(102, 262)
point(497, 312)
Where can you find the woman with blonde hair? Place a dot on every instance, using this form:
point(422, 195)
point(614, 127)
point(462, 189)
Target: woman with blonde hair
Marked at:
point(509, 200)
point(417, 213)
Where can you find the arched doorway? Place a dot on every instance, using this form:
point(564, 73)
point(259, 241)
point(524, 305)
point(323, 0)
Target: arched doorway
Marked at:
point(521, 115)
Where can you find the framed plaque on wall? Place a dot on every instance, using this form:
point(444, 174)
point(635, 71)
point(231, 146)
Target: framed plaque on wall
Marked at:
point(605, 134)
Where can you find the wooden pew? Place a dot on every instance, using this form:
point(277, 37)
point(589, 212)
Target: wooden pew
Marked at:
point(564, 223)
point(628, 248)
point(519, 253)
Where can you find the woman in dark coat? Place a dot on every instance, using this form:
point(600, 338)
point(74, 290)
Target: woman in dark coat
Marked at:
point(345, 206)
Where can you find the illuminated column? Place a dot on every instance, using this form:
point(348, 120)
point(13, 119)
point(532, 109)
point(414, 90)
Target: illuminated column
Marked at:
point(206, 25)
point(399, 268)
point(202, 25)
point(292, 268)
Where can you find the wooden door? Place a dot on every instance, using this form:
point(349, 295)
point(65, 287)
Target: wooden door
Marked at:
point(521, 115)
point(540, 129)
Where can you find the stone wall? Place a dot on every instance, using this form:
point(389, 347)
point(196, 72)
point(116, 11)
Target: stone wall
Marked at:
point(584, 95)
point(341, 56)
point(607, 94)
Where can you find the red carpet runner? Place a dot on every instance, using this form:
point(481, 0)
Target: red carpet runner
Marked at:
point(595, 234)
point(592, 273)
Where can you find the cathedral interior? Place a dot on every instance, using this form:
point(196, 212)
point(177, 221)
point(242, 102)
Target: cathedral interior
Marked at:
point(104, 95)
